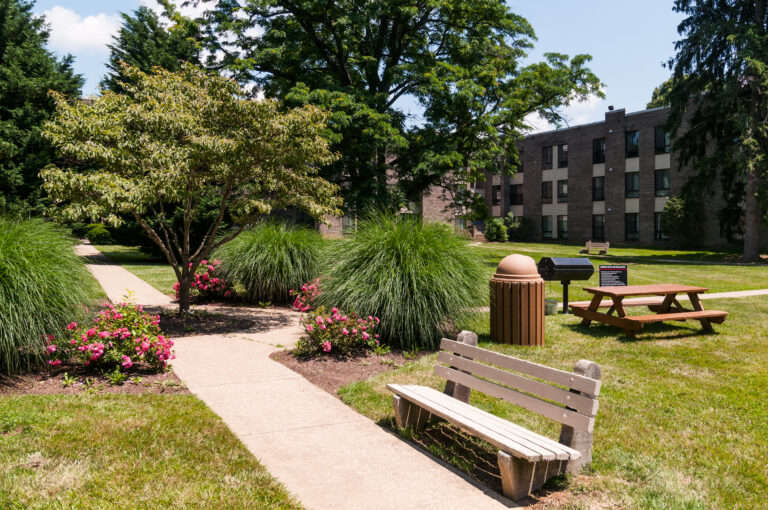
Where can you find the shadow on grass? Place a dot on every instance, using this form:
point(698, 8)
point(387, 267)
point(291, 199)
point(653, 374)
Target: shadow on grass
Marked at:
point(647, 334)
point(120, 258)
point(213, 323)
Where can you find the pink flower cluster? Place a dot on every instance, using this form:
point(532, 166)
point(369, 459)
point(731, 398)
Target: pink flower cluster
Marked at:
point(305, 297)
point(206, 284)
point(337, 333)
point(121, 335)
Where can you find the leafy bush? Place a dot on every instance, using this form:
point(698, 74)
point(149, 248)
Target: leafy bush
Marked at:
point(305, 297)
point(521, 230)
point(683, 221)
point(415, 277)
point(43, 284)
point(337, 333)
point(98, 234)
point(119, 337)
point(495, 230)
point(271, 259)
point(208, 284)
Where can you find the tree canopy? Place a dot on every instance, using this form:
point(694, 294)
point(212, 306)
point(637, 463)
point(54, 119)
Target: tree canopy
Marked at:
point(719, 100)
point(27, 72)
point(175, 139)
point(459, 63)
point(145, 42)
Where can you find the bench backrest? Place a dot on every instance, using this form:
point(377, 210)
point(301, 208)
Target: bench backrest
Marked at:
point(562, 396)
point(591, 245)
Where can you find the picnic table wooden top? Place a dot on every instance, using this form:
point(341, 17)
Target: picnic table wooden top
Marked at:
point(658, 289)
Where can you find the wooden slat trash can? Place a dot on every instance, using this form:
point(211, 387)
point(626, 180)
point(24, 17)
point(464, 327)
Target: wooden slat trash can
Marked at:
point(517, 302)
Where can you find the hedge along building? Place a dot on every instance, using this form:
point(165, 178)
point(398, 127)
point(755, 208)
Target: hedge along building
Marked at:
point(603, 181)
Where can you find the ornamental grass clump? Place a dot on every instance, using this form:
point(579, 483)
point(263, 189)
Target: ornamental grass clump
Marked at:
point(271, 259)
point(417, 278)
point(43, 285)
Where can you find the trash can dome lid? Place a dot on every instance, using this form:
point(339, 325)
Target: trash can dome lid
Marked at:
point(517, 267)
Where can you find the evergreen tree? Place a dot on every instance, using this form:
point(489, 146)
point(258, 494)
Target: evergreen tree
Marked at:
point(28, 71)
point(145, 42)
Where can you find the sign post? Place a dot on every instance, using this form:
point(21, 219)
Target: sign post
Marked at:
point(613, 276)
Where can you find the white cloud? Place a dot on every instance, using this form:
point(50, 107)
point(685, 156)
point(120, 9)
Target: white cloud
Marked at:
point(190, 10)
point(590, 110)
point(73, 33)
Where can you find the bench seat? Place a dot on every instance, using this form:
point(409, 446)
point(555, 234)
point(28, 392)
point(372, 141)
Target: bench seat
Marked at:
point(509, 437)
point(607, 303)
point(712, 315)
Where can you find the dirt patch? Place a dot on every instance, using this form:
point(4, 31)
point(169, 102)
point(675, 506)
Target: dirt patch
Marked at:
point(332, 373)
point(71, 380)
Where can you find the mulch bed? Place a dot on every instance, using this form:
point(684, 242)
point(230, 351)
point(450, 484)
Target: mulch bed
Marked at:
point(52, 382)
point(331, 373)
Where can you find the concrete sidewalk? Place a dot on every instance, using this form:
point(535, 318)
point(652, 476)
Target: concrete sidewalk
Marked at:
point(326, 454)
point(117, 282)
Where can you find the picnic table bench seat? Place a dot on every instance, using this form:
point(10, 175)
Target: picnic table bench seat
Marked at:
point(526, 459)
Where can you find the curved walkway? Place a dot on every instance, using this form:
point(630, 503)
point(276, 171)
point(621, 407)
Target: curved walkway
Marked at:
point(327, 454)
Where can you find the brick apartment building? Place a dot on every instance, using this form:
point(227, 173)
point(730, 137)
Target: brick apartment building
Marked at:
point(604, 181)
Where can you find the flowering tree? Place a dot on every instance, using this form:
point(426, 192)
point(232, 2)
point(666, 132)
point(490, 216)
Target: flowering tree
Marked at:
point(173, 141)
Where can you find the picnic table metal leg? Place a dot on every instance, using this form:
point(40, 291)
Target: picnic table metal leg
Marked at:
point(594, 305)
point(706, 325)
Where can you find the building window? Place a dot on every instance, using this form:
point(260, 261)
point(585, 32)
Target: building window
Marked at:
point(546, 157)
point(546, 227)
point(598, 150)
point(562, 191)
point(546, 192)
point(516, 194)
point(348, 224)
point(658, 227)
point(598, 189)
point(632, 146)
point(562, 155)
point(661, 185)
point(562, 227)
point(495, 194)
point(598, 227)
point(632, 185)
point(631, 227)
point(662, 140)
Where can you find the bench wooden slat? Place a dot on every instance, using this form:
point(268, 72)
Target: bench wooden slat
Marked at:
point(581, 403)
point(627, 303)
point(713, 315)
point(551, 411)
point(586, 385)
point(519, 442)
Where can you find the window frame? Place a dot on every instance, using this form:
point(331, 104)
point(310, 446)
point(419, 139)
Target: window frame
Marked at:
point(496, 194)
point(663, 136)
point(543, 231)
point(595, 236)
point(658, 230)
point(515, 198)
point(635, 151)
point(661, 192)
point(562, 198)
point(598, 151)
point(544, 198)
point(602, 189)
point(631, 193)
point(631, 235)
point(560, 153)
point(562, 234)
point(546, 157)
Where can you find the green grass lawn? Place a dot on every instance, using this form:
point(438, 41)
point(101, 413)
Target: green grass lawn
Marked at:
point(153, 270)
point(683, 420)
point(715, 270)
point(126, 451)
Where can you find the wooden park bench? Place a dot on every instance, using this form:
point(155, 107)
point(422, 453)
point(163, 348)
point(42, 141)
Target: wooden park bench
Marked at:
point(601, 248)
point(526, 459)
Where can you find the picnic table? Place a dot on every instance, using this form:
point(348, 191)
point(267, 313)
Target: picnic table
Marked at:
point(665, 305)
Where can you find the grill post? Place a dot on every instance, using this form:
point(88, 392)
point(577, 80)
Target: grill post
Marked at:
point(565, 284)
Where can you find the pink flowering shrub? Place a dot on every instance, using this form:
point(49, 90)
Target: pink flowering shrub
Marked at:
point(337, 333)
point(206, 283)
point(120, 336)
point(305, 297)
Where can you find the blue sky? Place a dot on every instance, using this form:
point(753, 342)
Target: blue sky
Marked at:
point(627, 40)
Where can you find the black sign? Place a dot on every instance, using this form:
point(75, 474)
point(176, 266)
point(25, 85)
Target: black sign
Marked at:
point(613, 276)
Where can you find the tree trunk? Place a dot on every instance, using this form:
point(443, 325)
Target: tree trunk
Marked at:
point(752, 216)
point(184, 288)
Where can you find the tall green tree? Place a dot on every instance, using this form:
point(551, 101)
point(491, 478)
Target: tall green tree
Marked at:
point(175, 139)
point(460, 63)
point(145, 41)
point(719, 99)
point(27, 72)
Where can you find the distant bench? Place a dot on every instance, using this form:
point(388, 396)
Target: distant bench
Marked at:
point(526, 459)
point(601, 248)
